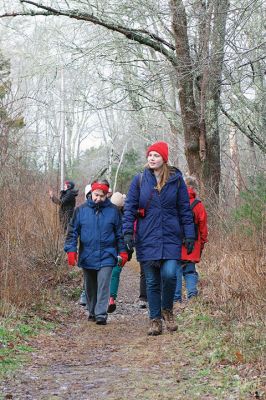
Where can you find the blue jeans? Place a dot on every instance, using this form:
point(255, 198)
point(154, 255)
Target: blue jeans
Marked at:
point(160, 284)
point(191, 277)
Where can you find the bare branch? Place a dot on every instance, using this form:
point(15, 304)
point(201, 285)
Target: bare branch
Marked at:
point(251, 136)
point(138, 35)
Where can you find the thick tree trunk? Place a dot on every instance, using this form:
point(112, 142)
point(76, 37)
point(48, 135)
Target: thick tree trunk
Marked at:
point(211, 92)
point(200, 119)
point(188, 107)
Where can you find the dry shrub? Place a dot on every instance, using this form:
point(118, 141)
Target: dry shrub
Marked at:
point(234, 267)
point(31, 245)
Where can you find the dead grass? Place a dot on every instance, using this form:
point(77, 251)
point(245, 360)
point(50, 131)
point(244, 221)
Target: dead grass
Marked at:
point(233, 271)
point(31, 247)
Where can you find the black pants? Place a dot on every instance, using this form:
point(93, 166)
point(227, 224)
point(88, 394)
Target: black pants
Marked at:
point(142, 285)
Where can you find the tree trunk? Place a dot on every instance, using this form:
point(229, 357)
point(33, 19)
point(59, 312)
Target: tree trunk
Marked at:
point(234, 152)
point(184, 72)
point(213, 56)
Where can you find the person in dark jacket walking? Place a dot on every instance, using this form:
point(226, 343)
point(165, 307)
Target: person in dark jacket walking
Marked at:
point(160, 200)
point(67, 202)
point(97, 226)
point(187, 268)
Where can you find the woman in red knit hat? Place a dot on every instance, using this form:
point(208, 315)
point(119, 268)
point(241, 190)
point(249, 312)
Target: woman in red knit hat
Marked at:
point(159, 199)
point(95, 232)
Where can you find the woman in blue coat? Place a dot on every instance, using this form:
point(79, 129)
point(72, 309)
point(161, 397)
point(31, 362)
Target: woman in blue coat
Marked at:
point(158, 198)
point(98, 227)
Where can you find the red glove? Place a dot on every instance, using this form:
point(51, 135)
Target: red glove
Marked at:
point(72, 258)
point(124, 257)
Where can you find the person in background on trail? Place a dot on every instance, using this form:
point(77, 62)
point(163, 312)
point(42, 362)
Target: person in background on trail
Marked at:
point(67, 203)
point(187, 268)
point(118, 199)
point(160, 200)
point(97, 226)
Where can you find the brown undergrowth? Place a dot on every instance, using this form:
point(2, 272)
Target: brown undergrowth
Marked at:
point(31, 247)
point(233, 274)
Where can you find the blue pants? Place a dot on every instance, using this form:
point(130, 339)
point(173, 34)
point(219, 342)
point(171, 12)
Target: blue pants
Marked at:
point(191, 277)
point(160, 284)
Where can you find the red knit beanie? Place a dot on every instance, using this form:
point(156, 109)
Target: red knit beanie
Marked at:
point(161, 148)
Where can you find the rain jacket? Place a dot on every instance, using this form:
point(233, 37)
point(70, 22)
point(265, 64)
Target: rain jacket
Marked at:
point(200, 219)
point(98, 227)
point(168, 217)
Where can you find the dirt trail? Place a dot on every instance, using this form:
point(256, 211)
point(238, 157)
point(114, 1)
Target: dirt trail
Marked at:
point(81, 360)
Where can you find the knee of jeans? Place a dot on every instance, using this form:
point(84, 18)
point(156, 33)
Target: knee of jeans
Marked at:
point(191, 273)
point(152, 283)
point(189, 268)
point(169, 275)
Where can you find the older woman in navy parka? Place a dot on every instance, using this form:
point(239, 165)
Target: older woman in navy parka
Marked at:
point(98, 226)
point(159, 199)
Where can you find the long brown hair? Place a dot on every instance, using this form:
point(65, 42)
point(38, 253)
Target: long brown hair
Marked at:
point(164, 176)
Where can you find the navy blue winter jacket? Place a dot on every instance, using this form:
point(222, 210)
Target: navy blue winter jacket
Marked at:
point(168, 217)
point(99, 229)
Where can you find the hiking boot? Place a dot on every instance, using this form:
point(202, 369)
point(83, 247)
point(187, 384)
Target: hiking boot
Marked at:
point(101, 321)
point(112, 305)
point(91, 318)
point(169, 320)
point(155, 328)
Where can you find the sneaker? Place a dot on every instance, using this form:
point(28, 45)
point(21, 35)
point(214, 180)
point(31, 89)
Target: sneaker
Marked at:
point(112, 305)
point(82, 299)
point(142, 304)
point(91, 318)
point(155, 328)
point(169, 320)
point(101, 321)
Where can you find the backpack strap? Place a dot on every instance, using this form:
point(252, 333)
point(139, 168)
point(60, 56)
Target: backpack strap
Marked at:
point(142, 211)
point(192, 205)
point(140, 179)
point(195, 202)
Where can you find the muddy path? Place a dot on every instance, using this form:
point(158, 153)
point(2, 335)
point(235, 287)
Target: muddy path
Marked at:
point(81, 360)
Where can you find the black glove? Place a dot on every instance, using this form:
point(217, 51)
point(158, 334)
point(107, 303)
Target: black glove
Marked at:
point(129, 241)
point(189, 245)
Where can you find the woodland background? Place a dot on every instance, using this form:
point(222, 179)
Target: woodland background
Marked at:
point(94, 83)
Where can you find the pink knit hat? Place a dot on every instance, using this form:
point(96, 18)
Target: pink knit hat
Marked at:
point(161, 148)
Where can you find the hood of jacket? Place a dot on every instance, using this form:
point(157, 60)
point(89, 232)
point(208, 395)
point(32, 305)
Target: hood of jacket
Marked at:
point(192, 194)
point(98, 206)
